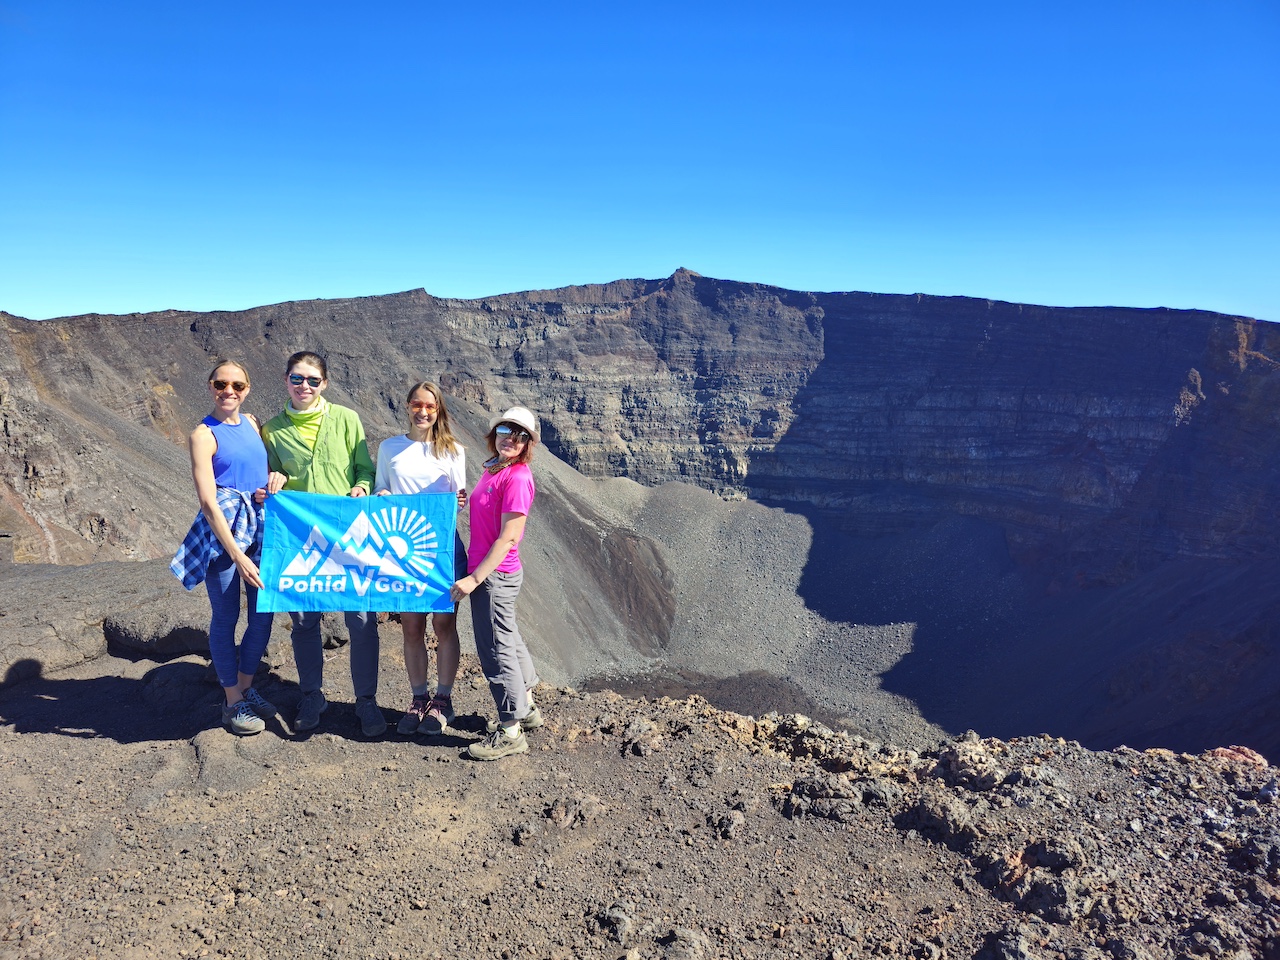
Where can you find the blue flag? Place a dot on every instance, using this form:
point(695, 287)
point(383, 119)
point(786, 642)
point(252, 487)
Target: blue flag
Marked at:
point(321, 552)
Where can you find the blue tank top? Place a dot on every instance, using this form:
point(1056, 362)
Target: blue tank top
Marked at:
point(240, 461)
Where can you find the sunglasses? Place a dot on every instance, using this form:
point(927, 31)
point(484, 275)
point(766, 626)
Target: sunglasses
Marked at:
point(515, 433)
point(298, 380)
point(236, 385)
point(416, 405)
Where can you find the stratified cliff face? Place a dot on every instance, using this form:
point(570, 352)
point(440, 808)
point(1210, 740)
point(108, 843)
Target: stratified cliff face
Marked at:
point(1117, 436)
point(1122, 435)
point(1125, 435)
point(682, 380)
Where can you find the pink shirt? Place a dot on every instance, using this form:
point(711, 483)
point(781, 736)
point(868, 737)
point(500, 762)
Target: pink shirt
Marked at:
point(507, 491)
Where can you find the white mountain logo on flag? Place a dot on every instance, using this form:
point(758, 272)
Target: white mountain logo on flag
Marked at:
point(393, 542)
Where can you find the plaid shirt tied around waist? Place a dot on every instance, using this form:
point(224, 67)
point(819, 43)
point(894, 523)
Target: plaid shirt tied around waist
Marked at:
point(200, 547)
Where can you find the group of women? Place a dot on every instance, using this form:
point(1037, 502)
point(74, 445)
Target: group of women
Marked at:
point(316, 446)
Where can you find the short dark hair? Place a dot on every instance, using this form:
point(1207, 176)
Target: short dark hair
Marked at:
point(306, 356)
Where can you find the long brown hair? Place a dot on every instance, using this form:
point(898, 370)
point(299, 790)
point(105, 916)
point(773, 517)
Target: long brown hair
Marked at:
point(442, 438)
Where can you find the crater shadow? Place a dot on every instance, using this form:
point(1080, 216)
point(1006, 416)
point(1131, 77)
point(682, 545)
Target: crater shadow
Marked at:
point(1148, 648)
point(1185, 656)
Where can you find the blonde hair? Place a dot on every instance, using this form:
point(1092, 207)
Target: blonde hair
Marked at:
point(225, 362)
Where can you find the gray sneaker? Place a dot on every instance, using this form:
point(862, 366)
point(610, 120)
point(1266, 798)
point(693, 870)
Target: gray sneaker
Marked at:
point(372, 722)
point(309, 709)
point(531, 721)
point(240, 719)
point(414, 716)
point(261, 705)
point(498, 745)
point(439, 715)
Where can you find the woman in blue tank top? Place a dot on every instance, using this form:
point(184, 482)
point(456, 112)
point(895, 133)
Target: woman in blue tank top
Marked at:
point(229, 467)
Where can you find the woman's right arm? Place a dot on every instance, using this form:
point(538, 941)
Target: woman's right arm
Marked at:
point(508, 537)
point(202, 446)
point(382, 476)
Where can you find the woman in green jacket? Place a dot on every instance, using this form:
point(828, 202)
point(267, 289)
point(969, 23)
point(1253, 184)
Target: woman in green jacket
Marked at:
point(319, 447)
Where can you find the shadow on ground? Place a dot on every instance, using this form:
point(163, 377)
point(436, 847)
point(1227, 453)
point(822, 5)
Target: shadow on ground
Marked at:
point(171, 701)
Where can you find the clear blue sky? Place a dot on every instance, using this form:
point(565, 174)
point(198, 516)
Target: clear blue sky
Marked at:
point(222, 156)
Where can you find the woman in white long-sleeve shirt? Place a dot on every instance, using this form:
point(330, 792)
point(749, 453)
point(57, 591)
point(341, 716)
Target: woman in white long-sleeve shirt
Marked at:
point(427, 459)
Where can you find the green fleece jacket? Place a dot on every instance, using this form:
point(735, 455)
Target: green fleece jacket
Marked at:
point(339, 461)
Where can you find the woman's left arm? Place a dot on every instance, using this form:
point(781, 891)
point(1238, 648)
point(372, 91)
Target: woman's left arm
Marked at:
point(259, 495)
point(459, 477)
point(361, 462)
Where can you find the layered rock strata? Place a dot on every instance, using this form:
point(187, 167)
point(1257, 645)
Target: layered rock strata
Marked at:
point(1129, 434)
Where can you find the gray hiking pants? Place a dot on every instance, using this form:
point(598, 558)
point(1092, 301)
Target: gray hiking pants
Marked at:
point(308, 650)
point(502, 651)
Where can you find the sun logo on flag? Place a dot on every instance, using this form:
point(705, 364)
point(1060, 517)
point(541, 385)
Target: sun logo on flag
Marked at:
point(409, 535)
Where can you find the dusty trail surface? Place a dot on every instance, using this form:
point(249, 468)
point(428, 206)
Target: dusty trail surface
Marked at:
point(633, 828)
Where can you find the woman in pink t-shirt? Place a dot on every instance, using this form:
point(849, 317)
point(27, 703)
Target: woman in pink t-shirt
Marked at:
point(499, 505)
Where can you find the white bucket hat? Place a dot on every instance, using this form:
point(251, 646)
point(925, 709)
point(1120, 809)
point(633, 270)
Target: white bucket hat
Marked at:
point(521, 415)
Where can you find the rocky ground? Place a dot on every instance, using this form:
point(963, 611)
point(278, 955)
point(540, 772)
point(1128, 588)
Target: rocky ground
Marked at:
point(634, 828)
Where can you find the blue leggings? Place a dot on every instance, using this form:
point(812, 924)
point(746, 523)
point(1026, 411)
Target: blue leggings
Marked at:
point(222, 581)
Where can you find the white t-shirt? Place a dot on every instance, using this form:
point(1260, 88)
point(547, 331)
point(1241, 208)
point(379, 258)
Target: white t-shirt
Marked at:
point(411, 466)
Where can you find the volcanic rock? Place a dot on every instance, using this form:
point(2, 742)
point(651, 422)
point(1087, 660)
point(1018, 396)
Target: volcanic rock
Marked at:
point(921, 513)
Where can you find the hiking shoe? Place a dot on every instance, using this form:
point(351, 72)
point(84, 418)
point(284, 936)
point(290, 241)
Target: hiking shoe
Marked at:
point(240, 719)
point(498, 745)
point(439, 715)
point(414, 716)
point(531, 721)
point(261, 705)
point(309, 709)
point(372, 722)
